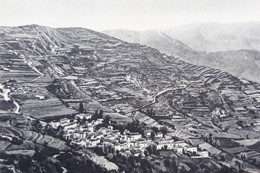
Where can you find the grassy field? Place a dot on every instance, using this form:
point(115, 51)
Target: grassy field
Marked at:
point(42, 139)
point(247, 142)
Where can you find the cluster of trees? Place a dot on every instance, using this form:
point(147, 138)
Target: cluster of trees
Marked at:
point(151, 149)
point(136, 126)
point(163, 130)
point(127, 164)
point(137, 164)
point(148, 112)
point(209, 138)
point(133, 126)
point(98, 114)
point(34, 164)
point(44, 162)
point(81, 121)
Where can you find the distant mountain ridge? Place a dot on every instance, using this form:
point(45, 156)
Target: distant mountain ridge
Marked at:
point(233, 48)
point(153, 38)
point(213, 37)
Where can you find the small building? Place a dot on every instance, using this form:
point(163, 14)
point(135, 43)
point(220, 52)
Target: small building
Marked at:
point(79, 135)
point(68, 136)
point(159, 135)
point(203, 153)
point(70, 126)
point(180, 144)
point(64, 121)
point(110, 127)
point(134, 136)
point(165, 143)
point(93, 143)
point(126, 132)
point(191, 149)
point(40, 97)
point(100, 120)
point(55, 124)
point(178, 150)
point(143, 144)
point(148, 133)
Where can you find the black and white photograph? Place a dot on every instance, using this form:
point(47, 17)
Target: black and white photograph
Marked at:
point(129, 86)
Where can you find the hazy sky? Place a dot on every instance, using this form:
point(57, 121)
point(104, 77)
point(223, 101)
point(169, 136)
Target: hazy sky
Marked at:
point(126, 14)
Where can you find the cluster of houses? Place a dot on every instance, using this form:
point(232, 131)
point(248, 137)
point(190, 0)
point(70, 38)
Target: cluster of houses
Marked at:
point(89, 136)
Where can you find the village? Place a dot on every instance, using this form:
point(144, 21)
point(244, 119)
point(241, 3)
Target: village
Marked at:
point(86, 131)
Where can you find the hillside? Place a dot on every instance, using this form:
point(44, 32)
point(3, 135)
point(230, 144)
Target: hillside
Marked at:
point(47, 74)
point(67, 65)
point(219, 45)
point(152, 38)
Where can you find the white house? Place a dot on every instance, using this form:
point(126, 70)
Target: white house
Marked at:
point(168, 143)
point(70, 126)
point(110, 127)
point(159, 135)
point(180, 144)
point(80, 135)
point(40, 97)
point(143, 144)
point(93, 143)
point(134, 136)
point(178, 150)
point(203, 153)
point(54, 124)
point(68, 136)
point(126, 132)
point(148, 133)
point(100, 120)
point(82, 115)
point(119, 146)
point(191, 149)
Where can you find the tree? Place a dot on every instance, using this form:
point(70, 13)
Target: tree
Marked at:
point(81, 109)
point(165, 147)
point(151, 149)
point(97, 115)
point(150, 112)
point(83, 121)
point(210, 138)
point(25, 163)
point(78, 120)
point(107, 119)
point(101, 113)
point(164, 130)
point(167, 164)
point(155, 129)
point(5, 169)
point(121, 128)
point(146, 153)
point(152, 135)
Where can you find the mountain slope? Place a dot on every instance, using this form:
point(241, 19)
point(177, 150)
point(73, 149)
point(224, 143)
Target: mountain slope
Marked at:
point(241, 63)
point(153, 38)
point(77, 63)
